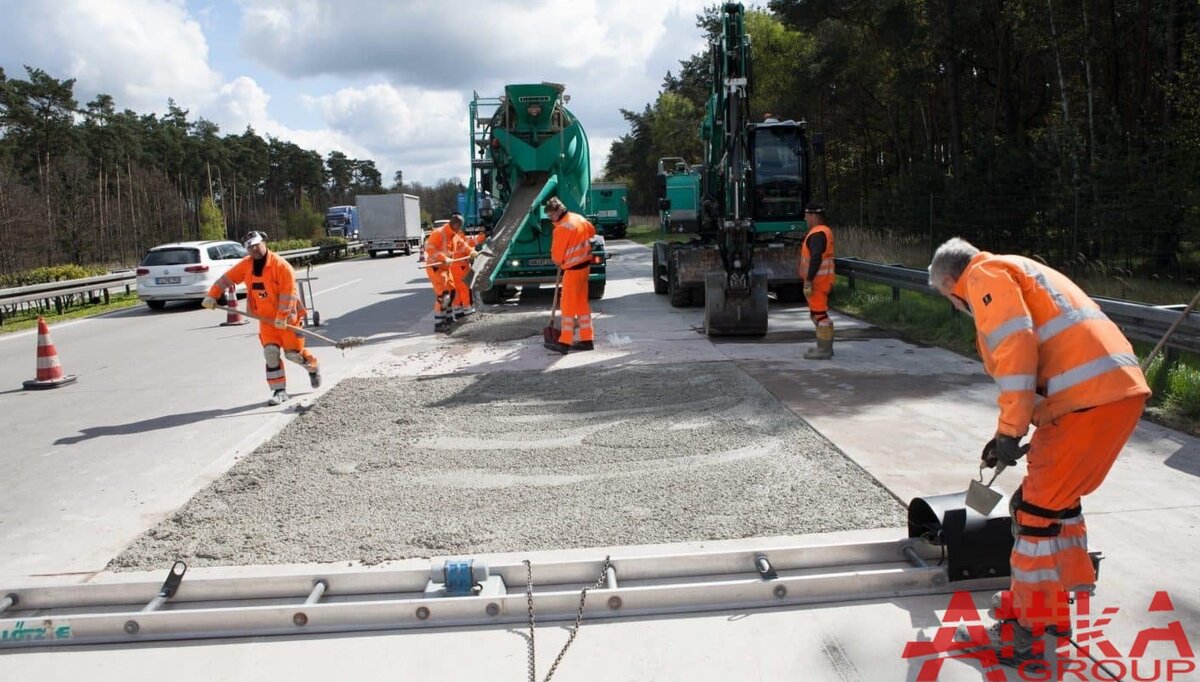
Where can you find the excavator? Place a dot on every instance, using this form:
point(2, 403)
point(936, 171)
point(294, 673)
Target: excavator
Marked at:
point(744, 205)
point(526, 147)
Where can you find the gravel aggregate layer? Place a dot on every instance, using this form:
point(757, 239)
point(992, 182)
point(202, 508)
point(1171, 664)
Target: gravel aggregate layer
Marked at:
point(386, 468)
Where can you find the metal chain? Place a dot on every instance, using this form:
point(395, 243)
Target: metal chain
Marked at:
point(574, 628)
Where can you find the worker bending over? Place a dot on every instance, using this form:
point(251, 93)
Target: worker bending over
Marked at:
point(1061, 365)
point(465, 249)
point(571, 250)
point(271, 294)
point(440, 248)
point(816, 271)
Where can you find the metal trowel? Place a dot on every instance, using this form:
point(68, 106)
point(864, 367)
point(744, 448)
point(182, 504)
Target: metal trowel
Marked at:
point(980, 496)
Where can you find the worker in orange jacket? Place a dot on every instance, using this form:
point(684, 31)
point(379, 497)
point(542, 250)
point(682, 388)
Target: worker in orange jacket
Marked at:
point(440, 247)
point(270, 293)
point(465, 248)
point(571, 250)
point(1061, 365)
point(816, 271)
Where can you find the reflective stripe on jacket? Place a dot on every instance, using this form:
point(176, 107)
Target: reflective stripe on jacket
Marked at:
point(572, 242)
point(1048, 346)
point(825, 271)
point(272, 294)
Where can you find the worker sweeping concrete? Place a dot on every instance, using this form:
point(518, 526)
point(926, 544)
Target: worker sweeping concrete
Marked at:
point(440, 248)
point(571, 250)
point(816, 271)
point(465, 248)
point(270, 293)
point(1061, 365)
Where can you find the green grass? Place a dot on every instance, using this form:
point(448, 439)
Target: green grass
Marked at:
point(648, 234)
point(27, 319)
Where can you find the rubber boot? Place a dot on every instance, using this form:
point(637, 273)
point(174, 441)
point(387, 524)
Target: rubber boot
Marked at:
point(824, 348)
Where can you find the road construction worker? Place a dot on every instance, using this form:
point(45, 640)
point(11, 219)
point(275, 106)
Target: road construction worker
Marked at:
point(571, 250)
point(271, 295)
point(464, 252)
point(816, 271)
point(1061, 365)
point(440, 247)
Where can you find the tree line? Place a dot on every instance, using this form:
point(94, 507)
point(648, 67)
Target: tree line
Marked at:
point(93, 185)
point(1064, 129)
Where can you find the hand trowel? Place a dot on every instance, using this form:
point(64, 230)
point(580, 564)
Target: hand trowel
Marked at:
point(980, 496)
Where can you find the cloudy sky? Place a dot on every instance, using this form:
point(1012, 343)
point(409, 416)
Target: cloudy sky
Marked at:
point(387, 80)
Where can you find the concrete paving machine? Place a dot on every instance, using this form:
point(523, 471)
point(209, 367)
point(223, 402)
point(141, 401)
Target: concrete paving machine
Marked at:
point(747, 214)
point(526, 147)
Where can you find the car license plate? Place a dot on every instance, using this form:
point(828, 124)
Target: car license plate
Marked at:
point(538, 261)
point(166, 280)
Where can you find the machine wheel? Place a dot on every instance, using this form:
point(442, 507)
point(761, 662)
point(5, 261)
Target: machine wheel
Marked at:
point(494, 295)
point(156, 305)
point(595, 290)
point(790, 293)
point(681, 297)
point(316, 319)
point(372, 253)
point(660, 285)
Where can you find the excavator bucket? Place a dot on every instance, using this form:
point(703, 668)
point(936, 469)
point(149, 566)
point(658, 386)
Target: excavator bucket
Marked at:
point(732, 310)
point(524, 199)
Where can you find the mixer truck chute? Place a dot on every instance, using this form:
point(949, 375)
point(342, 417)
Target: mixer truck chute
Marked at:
point(748, 212)
point(526, 147)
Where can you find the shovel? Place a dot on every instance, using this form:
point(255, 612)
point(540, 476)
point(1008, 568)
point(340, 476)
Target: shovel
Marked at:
point(551, 333)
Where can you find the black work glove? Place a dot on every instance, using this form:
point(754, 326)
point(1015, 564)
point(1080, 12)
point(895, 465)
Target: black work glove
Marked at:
point(222, 300)
point(1002, 449)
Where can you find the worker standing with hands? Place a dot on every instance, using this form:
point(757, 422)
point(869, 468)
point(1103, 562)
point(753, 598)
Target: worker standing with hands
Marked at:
point(571, 250)
point(270, 293)
point(464, 252)
point(440, 249)
point(1061, 365)
point(816, 271)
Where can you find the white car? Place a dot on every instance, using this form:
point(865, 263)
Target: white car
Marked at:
point(184, 271)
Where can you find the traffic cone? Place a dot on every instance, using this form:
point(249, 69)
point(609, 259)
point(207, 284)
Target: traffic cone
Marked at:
point(232, 317)
point(49, 371)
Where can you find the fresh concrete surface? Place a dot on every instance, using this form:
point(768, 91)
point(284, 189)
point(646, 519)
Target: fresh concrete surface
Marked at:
point(914, 418)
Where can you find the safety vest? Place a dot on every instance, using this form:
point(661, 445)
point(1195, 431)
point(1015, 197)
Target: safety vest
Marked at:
point(572, 246)
point(439, 246)
point(464, 244)
point(272, 294)
point(824, 278)
point(1049, 347)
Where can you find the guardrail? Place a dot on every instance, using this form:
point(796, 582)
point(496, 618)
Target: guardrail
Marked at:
point(102, 285)
point(1138, 321)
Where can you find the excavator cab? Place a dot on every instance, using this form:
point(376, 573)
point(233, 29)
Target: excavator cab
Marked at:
point(780, 171)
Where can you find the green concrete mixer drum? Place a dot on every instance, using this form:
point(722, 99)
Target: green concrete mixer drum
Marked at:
point(526, 147)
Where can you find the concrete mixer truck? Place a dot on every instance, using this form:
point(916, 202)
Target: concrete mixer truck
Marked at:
point(526, 147)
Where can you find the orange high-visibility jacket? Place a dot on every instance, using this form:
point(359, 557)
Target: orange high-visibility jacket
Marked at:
point(824, 278)
point(1049, 347)
point(271, 295)
point(439, 246)
point(571, 245)
point(464, 244)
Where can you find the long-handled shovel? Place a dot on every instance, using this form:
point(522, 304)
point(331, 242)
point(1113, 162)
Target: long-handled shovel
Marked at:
point(551, 333)
point(348, 342)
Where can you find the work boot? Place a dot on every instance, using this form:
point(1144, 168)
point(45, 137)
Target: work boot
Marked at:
point(824, 348)
point(557, 347)
point(468, 311)
point(442, 328)
point(314, 378)
point(1013, 645)
point(583, 345)
point(279, 397)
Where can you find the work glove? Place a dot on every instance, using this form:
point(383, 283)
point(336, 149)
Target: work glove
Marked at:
point(808, 289)
point(280, 323)
point(1004, 450)
point(474, 255)
point(209, 302)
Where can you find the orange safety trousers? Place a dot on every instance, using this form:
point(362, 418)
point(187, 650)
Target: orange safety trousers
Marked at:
point(818, 305)
point(442, 279)
point(1068, 458)
point(576, 313)
point(292, 346)
point(462, 292)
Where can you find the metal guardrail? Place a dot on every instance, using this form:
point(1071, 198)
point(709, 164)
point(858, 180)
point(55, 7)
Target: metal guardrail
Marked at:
point(1138, 321)
point(103, 284)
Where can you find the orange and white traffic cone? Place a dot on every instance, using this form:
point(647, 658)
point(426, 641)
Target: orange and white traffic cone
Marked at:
point(49, 371)
point(232, 317)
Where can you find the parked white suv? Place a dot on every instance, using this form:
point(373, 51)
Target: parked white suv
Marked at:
point(185, 270)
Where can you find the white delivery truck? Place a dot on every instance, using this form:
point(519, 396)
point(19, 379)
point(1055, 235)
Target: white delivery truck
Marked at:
point(389, 222)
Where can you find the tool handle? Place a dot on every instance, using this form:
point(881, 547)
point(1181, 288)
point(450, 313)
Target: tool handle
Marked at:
point(269, 320)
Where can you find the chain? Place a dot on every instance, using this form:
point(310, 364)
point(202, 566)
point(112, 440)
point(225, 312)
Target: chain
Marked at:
point(574, 628)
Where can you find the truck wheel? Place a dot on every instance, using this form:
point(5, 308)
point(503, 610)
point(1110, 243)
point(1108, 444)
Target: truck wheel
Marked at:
point(372, 253)
point(494, 295)
point(681, 297)
point(408, 249)
point(790, 293)
point(656, 271)
point(595, 290)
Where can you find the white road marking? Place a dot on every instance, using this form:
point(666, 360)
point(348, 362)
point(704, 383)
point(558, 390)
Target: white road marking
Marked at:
point(353, 281)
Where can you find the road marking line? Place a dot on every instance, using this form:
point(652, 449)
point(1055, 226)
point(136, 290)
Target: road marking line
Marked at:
point(353, 281)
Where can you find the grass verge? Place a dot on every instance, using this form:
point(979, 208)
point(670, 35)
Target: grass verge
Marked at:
point(27, 319)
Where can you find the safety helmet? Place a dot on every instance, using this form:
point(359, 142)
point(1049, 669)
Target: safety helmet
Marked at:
point(253, 238)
